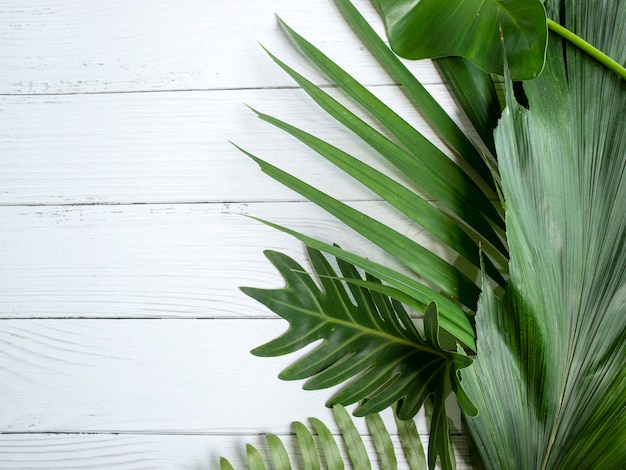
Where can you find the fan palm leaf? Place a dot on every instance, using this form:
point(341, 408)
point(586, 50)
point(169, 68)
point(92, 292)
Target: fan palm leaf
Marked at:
point(550, 373)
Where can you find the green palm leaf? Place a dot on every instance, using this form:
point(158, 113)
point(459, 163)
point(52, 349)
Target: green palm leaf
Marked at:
point(422, 161)
point(358, 458)
point(429, 108)
point(437, 222)
point(475, 93)
point(417, 258)
point(551, 363)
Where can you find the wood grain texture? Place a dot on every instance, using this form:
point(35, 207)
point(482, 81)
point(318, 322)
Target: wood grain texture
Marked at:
point(147, 452)
point(68, 46)
point(171, 147)
point(159, 261)
point(149, 377)
point(123, 337)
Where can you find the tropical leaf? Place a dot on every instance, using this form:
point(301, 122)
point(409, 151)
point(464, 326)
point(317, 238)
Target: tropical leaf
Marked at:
point(422, 29)
point(369, 341)
point(385, 454)
point(465, 200)
point(403, 288)
point(414, 256)
point(429, 108)
point(422, 161)
point(475, 93)
point(550, 373)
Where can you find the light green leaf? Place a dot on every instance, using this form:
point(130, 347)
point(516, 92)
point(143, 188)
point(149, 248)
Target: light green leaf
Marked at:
point(352, 439)
point(308, 450)
point(424, 29)
point(255, 460)
point(551, 361)
point(332, 456)
point(411, 443)
point(382, 442)
point(278, 453)
point(225, 464)
point(358, 456)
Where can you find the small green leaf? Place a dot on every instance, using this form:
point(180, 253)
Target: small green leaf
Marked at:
point(308, 450)
point(332, 456)
point(278, 453)
point(352, 439)
point(382, 442)
point(411, 443)
point(254, 458)
point(424, 29)
point(225, 464)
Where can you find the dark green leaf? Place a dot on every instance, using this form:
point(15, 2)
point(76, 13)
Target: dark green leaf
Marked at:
point(425, 160)
point(423, 29)
point(432, 219)
point(452, 319)
point(420, 260)
point(367, 340)
point(475, 92)
point(428, 107)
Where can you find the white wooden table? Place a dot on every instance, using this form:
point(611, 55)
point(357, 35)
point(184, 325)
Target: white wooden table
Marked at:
point(124, 340)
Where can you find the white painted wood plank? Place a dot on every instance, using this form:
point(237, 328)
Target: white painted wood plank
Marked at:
point(68, 46)
point(147, 452)
point(158, 260)
point(170, 147)
point(149, 377)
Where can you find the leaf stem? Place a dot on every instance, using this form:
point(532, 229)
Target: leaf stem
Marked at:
point(587, 48)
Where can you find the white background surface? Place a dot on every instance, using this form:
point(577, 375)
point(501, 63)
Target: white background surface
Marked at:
point(124, 340)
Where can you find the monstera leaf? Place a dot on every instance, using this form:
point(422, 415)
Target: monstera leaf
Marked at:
point(368, 340)
point(420, 29)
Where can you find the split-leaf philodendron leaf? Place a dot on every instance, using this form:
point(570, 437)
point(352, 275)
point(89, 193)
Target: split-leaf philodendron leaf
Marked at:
point(421, 29)
point(369, 341)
